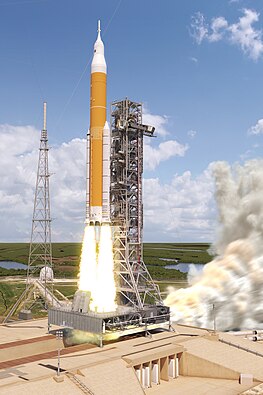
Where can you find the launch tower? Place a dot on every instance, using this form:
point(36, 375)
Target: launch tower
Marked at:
point(134, 284)
point(40, 251)
point(39, 270)
point(116, 292)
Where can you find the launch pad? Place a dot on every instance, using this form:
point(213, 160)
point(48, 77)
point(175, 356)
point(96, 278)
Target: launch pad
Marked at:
point(114, 203)
point(122, 322)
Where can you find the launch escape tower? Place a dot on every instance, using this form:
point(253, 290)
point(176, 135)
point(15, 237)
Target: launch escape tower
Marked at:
point(134, 284)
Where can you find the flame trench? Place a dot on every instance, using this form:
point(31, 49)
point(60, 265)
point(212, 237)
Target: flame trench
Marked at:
point(96, 273)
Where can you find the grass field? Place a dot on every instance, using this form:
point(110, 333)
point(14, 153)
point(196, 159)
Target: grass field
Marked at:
point(66, 258)
point(9, 293)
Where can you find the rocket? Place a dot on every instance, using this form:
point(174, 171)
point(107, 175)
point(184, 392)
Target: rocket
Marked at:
point(98, 142)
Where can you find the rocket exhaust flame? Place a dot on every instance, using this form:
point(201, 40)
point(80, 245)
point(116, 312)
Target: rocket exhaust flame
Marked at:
point(97, 269)
point(231, 285)
point(87, 273)
point(105, 291)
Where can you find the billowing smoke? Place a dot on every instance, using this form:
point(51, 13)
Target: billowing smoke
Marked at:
point(229, 291)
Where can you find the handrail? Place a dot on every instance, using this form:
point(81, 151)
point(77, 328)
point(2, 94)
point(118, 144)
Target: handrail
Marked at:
point(79, 383)
point(259, 354)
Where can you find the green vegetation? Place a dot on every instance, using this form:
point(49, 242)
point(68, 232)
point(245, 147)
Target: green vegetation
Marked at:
point(12, 272)
point(9, 293)
point(184, 246)
point(67, 290)
point(187, 253)
point(66, 257)
point(18, 252)
point(179, 252)
point(159, 272)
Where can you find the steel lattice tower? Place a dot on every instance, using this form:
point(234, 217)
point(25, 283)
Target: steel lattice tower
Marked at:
point(40, 251)
point(134, 283)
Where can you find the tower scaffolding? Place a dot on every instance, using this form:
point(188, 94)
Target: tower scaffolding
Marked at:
point(39, 270)
point(134, 284)
point(139, 304)
point(40, 251)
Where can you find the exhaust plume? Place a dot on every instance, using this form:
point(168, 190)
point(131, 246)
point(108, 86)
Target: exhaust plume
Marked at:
point(96, 273)
point(230, 288)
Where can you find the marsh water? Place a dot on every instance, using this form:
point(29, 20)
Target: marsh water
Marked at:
point(12, 265)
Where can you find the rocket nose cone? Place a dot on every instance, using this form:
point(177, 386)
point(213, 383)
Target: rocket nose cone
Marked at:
point(98, 62)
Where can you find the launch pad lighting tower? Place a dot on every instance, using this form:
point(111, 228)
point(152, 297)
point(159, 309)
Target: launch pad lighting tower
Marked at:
point(134, 283)
point(40, 251)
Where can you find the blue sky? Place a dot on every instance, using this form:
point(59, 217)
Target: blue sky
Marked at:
point(194, 64)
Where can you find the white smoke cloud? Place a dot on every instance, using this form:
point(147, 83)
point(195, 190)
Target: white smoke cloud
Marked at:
point(256, 129)
point(232, 282)
point(243, 33)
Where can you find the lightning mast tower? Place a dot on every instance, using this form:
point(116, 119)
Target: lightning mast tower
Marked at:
point(40, 251)
point(135, 285)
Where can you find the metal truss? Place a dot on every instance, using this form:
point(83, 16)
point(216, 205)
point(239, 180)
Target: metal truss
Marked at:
point(40, 251)
point(135, 285)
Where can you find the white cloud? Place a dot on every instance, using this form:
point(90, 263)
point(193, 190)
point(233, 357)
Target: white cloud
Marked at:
point(182, 210)
point(164, 151)
point(256, 129)
point(246, 155)
point(199, 29)
point(18, 167)
point(193, 59)
point(155, 153)
point(243, 33)
point(191, 133)
point(218, 26)
point(160, 122)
